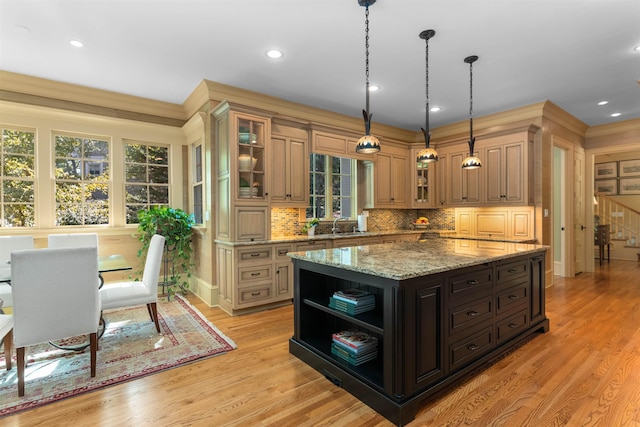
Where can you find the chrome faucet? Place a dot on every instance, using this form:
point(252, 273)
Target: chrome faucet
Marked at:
point(335, 229)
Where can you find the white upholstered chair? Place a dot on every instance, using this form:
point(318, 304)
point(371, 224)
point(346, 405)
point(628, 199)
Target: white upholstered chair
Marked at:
point(6, 333)
point(53, 299)
point(145, 291)
point(78, 240)
point(9, 244)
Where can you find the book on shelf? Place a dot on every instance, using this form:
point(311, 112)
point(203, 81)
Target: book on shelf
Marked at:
point(350, 308)
point(350, 358)
point(353, 294)
point(357, 340)
point(360, 301)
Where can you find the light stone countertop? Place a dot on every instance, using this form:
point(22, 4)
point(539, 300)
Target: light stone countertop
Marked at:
point(400, 261)
point(304, 238)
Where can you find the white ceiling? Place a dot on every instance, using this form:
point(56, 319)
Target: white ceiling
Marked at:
point(571, 52)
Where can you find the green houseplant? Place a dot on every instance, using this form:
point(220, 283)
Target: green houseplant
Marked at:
point(312, 223)
point(176, 227)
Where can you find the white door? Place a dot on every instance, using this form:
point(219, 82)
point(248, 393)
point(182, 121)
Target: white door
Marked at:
point(579, 210)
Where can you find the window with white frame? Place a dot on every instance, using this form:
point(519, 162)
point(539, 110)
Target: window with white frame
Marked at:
point(81, 180)
point(197, 185)
point(146, 178)
point(333, 187)
point(17, 178)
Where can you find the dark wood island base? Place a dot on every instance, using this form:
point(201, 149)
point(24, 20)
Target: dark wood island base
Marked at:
point(434, 325)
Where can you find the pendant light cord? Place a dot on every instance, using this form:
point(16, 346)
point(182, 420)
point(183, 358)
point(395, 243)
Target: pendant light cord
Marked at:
point(426, 95)
point(366, 46)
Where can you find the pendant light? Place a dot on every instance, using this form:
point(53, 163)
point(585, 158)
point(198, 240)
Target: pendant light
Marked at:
point(367, 143)
point(471, 162)
point(427, 154)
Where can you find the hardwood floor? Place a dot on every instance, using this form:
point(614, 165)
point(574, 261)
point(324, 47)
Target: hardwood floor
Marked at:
point(585, 371)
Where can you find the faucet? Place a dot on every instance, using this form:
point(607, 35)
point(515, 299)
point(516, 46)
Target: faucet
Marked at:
point(335, 229)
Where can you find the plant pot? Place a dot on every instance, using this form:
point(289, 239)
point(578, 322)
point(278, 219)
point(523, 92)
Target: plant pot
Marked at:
point(311, 231)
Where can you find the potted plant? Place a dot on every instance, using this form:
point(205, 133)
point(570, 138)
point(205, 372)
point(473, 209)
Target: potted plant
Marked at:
point(176, 227)
point(310, 227)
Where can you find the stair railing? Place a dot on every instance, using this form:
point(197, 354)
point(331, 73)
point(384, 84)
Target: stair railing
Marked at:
point(624, 220)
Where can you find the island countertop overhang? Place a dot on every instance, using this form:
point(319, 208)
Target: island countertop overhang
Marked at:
point(406, 260)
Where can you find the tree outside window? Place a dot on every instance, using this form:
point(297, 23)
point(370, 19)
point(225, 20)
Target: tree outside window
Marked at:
point(81, 180)
point(332, 192)
point(17, 178)
point(146, 178)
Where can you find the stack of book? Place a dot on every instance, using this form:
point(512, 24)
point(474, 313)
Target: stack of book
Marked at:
point(354, 347)
point(352, 301)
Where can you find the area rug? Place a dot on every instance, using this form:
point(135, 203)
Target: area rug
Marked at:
point(130, 348)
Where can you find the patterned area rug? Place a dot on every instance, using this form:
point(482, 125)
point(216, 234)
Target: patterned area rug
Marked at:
point(130, 348)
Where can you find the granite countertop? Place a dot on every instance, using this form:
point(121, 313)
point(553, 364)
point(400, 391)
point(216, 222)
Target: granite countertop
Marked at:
point(407, 260)
point(454, 235)
point(305, 238)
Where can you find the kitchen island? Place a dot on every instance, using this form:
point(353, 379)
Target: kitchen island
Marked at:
point(443, 308)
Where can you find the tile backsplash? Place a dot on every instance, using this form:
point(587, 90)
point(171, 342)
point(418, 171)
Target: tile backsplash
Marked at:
point(285, 221)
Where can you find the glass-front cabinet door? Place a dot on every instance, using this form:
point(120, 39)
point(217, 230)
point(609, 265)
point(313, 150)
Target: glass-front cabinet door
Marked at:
point(251, 157)
point(423, 184)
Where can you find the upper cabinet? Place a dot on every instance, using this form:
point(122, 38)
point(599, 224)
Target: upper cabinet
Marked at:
point(289, 171)
point(506, 175)
point(423, 184)
point(242, 144)
point(391, 178)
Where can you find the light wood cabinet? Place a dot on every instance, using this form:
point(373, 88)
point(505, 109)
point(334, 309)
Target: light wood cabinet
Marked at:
point(507, 175)
point(423, 185)
point(253, 276)
point(465, 188)
point(289, 171)
point(241, 158)
point(390, 189)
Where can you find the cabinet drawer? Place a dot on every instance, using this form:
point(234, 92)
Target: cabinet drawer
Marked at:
point(254, 254)
point(254, 273)
point(469, 349)
point(512, 325)
point(513, 297)
point(312, 245)
point(254, 295)
point(281, 251)
point(507, 273)
point(464, 317)
point(466, 286)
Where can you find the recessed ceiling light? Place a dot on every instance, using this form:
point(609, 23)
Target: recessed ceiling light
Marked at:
point(23, 28)
point(603, 102)
point(76, 43)
point(374, 88)
point(616, 114)
point(637, 48)
point(274, 54)
point(434, 109)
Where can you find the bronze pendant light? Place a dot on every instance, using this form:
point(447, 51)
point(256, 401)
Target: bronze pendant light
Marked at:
point(427, 154)
point(471, 162)
point(367, 143)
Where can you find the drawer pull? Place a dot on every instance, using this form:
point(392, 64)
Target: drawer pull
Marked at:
point(282, 252)
point(472, 282)
point(255, 294)
point(255, 273)
point(513, 270)
point(472, 313)
point(513, 325)
point(513, 297)
point(255, 254)
point(473, 347)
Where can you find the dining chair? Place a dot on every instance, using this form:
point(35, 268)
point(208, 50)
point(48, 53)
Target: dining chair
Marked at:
point(9, 244)
point(145, 291)
point(77, 240)
point(53, 299)
point(6, 333)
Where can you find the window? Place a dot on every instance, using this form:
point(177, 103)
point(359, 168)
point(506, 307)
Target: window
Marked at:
point(146, 178)
point(81, 180)
point(332, 192)
point(17, 175)
point(198, 207)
